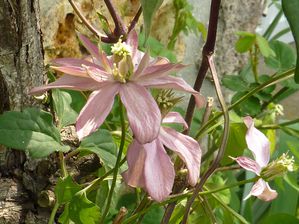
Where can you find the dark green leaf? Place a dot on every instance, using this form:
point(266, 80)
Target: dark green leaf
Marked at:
point(149, 8)
point(80, 211)
point(284, 58)
point(154, 215)
point(65, 189)
point(291, 11)
point(102, 192)
point(251, 106)
point(234, 82)
point(280, 219)
point(67, 105)
point(31, 130)
point(264, 47)
point(102, 144)
point(236, 142)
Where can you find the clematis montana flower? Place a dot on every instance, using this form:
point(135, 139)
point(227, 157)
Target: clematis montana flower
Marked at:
point(129, 72)
point(259, 145)
point(151, 168)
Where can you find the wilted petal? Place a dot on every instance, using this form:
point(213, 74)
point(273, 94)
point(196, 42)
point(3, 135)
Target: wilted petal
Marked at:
point(248, 164)
point(158, 171)
point(96, 109)
point(268, 194)
point(171, 82)
point(134, 176)
point(175, 117)
point(142, 111)
point(257, 142)
point(262, 190)
point(186, 147)
point(68, 82)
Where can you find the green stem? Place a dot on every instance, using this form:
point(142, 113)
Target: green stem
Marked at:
point(278, 78)
point(254, 62)
point(118, 161)
point(53, 213)
point(63, 174)
point(278, 126)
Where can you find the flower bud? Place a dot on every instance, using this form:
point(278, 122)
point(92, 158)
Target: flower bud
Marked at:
point(278, 167)
point(166, 101)
point(120, 50)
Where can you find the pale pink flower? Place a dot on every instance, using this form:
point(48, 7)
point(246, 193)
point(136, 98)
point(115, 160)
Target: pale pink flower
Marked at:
point(151, 168)
point(259, 145)
point(128, 73)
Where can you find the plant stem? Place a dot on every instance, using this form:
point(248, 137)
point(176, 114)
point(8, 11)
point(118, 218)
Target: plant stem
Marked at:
point(118, 161)
point(53, 213)
point(120, 28)
point(208, 49)
point(221, 150)
point(87, 23)
point(274, 97)
point(278, 78)
point(278, 126)
point(135, 20)
point(254, 62)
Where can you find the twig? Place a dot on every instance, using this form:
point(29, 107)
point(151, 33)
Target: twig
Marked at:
point(208, 49)
point(120, 216)
point(221, 150)
point(135, 20)
point(120, 28)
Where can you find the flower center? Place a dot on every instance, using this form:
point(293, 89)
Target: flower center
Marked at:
point(121, 49)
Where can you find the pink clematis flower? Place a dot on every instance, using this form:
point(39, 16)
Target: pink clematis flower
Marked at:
point(151, 168)
point(259, 145)
point(129, 72)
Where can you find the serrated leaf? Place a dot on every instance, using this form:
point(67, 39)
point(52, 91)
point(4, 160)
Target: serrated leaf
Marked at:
point(32, 131)
point(291, 11)
point(284, 58)
point(67, 105)
point(102, 144)
point(80, 210)
point(236, 142)
point(149, 8)
point(264, 47)
point(65, 189)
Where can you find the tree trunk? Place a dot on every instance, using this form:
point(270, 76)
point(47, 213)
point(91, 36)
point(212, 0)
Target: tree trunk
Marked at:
point(21, 68)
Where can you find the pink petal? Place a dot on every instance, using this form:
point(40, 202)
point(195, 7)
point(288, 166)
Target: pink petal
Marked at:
point(99, 75)
point(132, 41)
point(257, 142)
point(248, 164)
point(141, 66)
point(68, 82)
point(96, 109)
point(134, 176)
point(262, 190)
point(175, 117)
point(98, 55)
point(142, 111)
point(71, 70)
point(74, 62)
point(171, 82)
point(159, 70)
point(158, 171)
point(186, 147)
point(268, 194)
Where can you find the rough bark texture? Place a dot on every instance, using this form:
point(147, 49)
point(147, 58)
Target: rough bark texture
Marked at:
point(21, 68)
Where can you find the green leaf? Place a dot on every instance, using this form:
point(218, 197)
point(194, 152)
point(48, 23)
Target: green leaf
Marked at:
point(251, 106)
point(80, 210)
point(31, 130)
point(284, 58)
point(102, 192)
point(154, 215)
point(102, 144)
point(291, 11)
point(234, 82)
point(264, 47)
point(236, 142)
point(280, 218)
point(67, 105)
point(244, 43)
point(65, 189)
point(149, 8)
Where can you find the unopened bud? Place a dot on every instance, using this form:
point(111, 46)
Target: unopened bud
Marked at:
point(278, 168)
point(121, 50)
